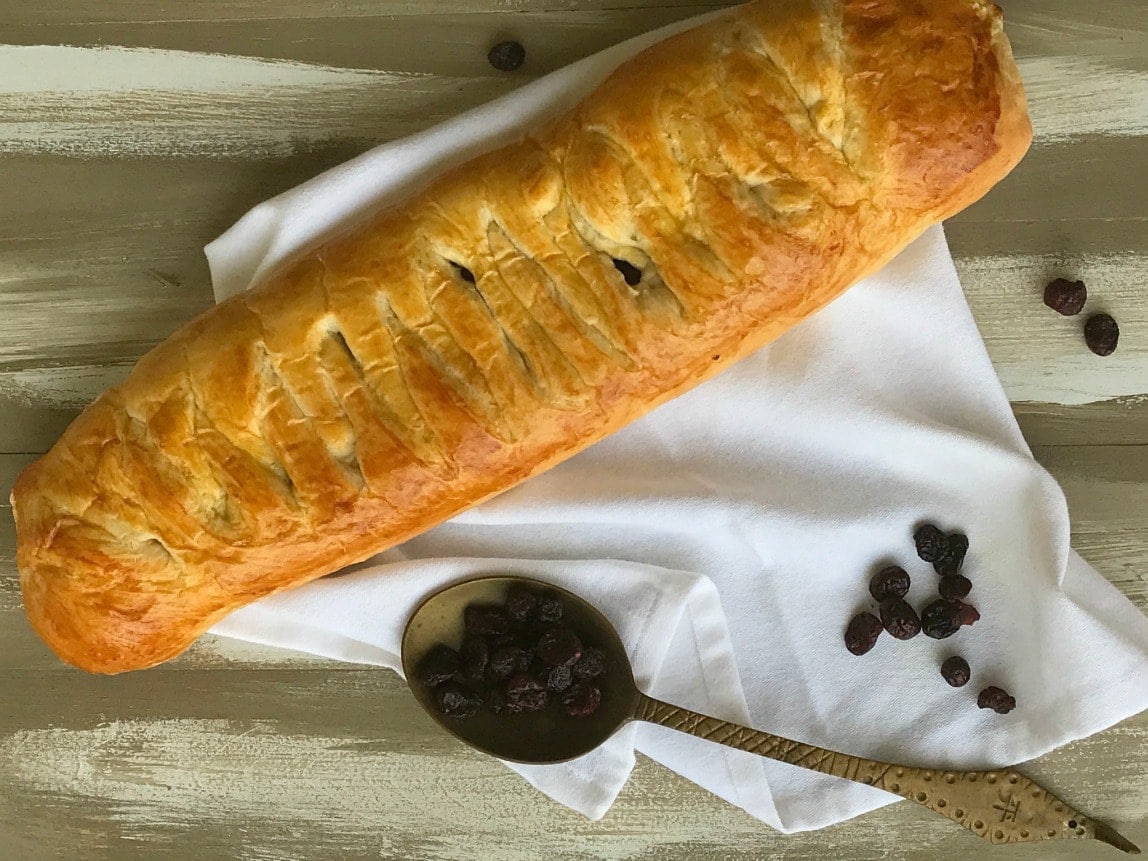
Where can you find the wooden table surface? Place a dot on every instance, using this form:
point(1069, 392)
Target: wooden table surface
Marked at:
point(131, 133)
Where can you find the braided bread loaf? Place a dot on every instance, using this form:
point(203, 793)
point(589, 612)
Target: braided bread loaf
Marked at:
point(720, 187)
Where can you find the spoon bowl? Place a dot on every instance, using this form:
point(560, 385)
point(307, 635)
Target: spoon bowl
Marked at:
point(1001, 806)
point(546, 737)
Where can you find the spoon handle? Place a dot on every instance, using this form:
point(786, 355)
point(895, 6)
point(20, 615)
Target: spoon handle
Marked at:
point(999, 806)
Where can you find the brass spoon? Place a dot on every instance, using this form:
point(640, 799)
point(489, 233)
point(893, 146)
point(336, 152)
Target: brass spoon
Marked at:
point(1001, 806)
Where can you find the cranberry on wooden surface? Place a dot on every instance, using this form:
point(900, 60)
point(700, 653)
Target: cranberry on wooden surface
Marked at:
point(1065, 297)
point(1101, 334)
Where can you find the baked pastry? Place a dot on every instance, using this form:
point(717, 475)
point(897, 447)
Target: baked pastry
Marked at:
point(718, 188)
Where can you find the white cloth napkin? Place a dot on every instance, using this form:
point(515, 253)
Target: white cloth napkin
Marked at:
point(730, 534)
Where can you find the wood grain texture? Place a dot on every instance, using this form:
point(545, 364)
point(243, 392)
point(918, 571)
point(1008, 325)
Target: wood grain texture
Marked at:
point(131, 133)
point(64, 99)
point(308, 764)
point(1040, 355)
point(1121, 421)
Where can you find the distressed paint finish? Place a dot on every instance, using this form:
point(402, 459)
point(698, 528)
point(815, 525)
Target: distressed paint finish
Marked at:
point(131, 133)
point(310, 765)
point(1040, 356)
point(65, 100)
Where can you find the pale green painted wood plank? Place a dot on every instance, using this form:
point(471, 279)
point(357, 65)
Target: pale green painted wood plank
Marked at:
point(452, 45)
point(70, 12)
point(301, 764)
point(1115, 422)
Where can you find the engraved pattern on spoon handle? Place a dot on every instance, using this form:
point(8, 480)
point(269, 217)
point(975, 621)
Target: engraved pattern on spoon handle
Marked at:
point(1000, 806)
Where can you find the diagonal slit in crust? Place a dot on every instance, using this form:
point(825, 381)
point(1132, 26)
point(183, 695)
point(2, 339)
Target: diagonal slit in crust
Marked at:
point(276, 474)
point(592, 331)
point(381, 410)
point(471, 287)
point(384, 382)
point(120, 526)
point(701, 277)
point(419, 316)
point(850, 116)
point(475, 402)
point(209, 506)
point(194, 504)
point(653, 296)
point(833, 33)
point(522, 281)
point(136, 524)
point(388, 467)
point(274, 382)
point(552, 373)
point(161, 548)
point(479, 340)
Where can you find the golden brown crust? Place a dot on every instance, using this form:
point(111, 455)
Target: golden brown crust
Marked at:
point(749, 170)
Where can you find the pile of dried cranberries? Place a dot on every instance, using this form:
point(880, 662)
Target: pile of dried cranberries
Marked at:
point(939, 619)
point(516, 658)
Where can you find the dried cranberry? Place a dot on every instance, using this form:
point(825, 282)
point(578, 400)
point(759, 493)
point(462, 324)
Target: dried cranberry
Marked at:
point(527, 639)
point(536, 667)
point(1101, 334)
point(900, 619)
point(560, 678)
point(473, 657)
point(1065, 297)
point(582, 700)
point(521, 606)
point(502, 640)
point(996, 699)
point(495, 700)
point(524, 693)
point(939, 619)
point(932, 543)
point(507, 56)
point(954, 586)
point(550, 610)
point(947, 567)
point(559, 646)
point(891, 582)
point(507, 660)
point(591, 664)
point(952, 561)
point(437, 666)
point(456, 702)
point(862, 633)
point(956, 671)
point(484, 620)
point(967, 614)
point(958, 545)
